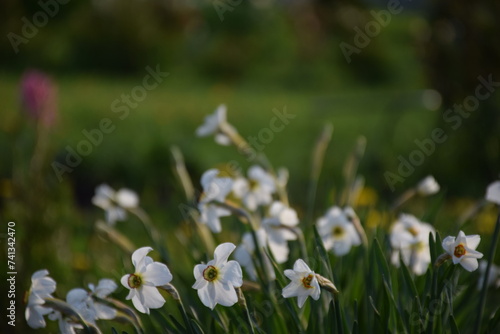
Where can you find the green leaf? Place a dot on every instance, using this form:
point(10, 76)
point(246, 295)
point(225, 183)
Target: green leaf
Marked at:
point(195, 325)
point(453, 325)
point(382, 263)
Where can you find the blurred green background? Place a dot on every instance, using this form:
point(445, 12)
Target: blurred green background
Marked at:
point(256, 56)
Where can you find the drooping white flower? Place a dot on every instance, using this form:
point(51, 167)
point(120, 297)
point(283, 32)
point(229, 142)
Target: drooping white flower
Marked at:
point(257, 190)
point(428, 186)
point(143, 282)
point(245, 254)
point(41, 288)
point(337, 231)
point(66, 325)
point(462, 249)
point(210, 215)
point(216, 281)
point(215, 188)
point(493, 192)
point(90, 309)
point(115, 203)
point(303, 283)
point(278, 230)
point(410, 240)
point(212, 126)
point(493, 277)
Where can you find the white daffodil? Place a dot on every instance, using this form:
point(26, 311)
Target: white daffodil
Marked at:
point(90, 309)
point(245, 256)
point(278, 227)
point(462, 249)
point(428, 186)
point(213, 124)
point(66, 326)
point(493, 192)
point(257, 190)
point(493, 277)
point(215, 188)
point(303, 283)
point(337, 231)
point(210, 215)
point(143, 282)
point(114, 202)
point(41, 288)
point(216, 280)
point(410, 239)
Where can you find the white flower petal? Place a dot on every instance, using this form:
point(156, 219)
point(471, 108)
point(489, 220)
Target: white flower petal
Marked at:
point(301, 266)
point(473, 241)
point(222, 139)
point(127, 198)
point(139, 256)
point(207, 295)
point(157, 274)
point(231, 273)
point(105, 287)
point(152, 297)
point(138, 304)
point(469, 264)
point(493, 192)
point(222, 252)
point(225, 294)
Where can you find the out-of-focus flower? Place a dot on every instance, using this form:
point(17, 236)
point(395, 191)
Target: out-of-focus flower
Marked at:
point(213, 124)
point(90, 309)
point(278, 227)
point(216, 281)
point(143, 282)
point(337, 231)
point(41, 288)
point(39, 97)
point(493, 277)
point(410, 239)
point(493, 192)
point(210, 215)
point(66, 326)
point(428, 186)
point(215, 188)
point(115, 203)
point(245, 256)
point(257, 190)
point(462, 249)
point(303, 283)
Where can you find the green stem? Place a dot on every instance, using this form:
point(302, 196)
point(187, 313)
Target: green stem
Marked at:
point(491, 255)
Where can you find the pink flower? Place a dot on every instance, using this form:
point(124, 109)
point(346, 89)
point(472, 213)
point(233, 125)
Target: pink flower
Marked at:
point(39, 97)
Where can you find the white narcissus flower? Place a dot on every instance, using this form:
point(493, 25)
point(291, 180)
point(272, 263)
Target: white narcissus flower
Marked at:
point(303, 283)
point(462, 249)
point(277, 226)
point(428, 186)
point(212, 126)
point(210, 215)
point(257, 190)
point(337, 231)
point(245, 256)
point(90, 309)
point(143, 282)
point(493, 192)
point(410, 239)
point(216, 281)
point(493, 277)
point(115, 203)
point(41, 288)
point(215, 188)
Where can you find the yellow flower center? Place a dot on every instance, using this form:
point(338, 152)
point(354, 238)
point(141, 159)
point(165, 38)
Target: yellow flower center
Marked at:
point(413, 230)
point(134, 281)
point(210, 273)
point(460, 251)
point(306, 281)
point(338, 231)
